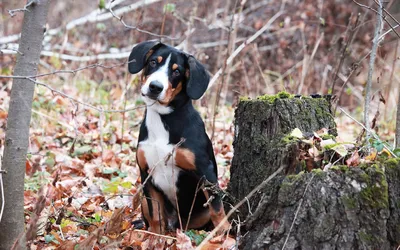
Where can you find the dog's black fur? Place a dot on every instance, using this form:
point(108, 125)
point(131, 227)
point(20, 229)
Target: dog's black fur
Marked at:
point(170, 116)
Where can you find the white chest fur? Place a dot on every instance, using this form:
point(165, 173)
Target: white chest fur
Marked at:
point(156, 149)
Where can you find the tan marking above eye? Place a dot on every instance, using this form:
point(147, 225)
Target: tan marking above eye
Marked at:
point(159, 59)
point(174, 66)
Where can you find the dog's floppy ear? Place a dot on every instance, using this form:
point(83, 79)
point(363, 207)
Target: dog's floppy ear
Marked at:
point(137, 58)
point(198, 79)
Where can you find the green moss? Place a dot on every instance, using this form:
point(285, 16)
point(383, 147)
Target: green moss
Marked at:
point(289, 181)
point(272, 98)
point(364, 177)
point(392, 163)
point(244, 99)
point(317, 171)
point(349, 202)
point(288, 139)
point(342, 168)
point(283, 95)
point(366, 237)
point(376, 192)
point(294, 177)
point(328, 136)
point(378, 169)
point(303, 164)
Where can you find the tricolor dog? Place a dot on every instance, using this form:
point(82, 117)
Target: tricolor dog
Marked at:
point(175, 171)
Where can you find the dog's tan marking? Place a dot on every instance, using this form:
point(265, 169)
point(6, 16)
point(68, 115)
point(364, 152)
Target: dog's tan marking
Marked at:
point(159, 59)
point(156, 220)
point(171, 93)
point(141, 159)
point(174, 66)
point(217, 216)
point(149, 54)
point(185, 159)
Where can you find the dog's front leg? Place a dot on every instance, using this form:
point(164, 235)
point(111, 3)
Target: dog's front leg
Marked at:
point(217, 212)
point(153, 209)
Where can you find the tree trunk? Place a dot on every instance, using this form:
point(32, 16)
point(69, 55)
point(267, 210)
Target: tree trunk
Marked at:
point(19, 116)
point(343, 208)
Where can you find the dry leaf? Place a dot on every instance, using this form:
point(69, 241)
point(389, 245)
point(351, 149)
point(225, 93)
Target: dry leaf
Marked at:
point(183, 241)
point(113, 227)
point(354, 160)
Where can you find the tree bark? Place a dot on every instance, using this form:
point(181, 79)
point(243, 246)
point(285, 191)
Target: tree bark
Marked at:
point(261, 127)
point(19, 116)
point(343, 208)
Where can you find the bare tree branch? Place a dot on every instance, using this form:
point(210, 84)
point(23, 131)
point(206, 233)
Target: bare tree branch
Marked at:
point(71, 71)
point(379, 12)
point(120, 18)
point(371, 132)
point(83, 103)
point(25, 8)
point(243, 45)
point(99, 16)
point(375, 43)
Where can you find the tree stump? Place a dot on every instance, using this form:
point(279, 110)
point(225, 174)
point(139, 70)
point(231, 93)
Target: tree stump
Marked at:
point(343, 208)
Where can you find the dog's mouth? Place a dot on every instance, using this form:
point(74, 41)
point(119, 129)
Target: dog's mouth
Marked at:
point(150, 96)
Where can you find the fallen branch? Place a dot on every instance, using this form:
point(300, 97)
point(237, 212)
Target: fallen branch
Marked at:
point(159, 235)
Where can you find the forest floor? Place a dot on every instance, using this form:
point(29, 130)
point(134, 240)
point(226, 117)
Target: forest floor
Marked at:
point(83, 164)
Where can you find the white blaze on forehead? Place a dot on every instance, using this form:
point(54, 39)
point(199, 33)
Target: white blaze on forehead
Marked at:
point(161, 75)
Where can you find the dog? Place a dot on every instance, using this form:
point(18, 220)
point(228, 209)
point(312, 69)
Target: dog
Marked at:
point(174, 153)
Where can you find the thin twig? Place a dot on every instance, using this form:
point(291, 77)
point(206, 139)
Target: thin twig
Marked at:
point(243, 45)
point(155, 234)
point(379, 13)
point(25, 8)
point(105, 56)
point(69, 71)
point(297, 211)
point(344, 51)
point(308, 63)
point(86, 104)
point(221, 85)
point(120, 18)
point(194, 199)
point(372, 133)
point(233, 210)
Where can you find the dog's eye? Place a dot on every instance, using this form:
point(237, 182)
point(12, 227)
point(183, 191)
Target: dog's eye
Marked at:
point(176, 73)
point(152, 63)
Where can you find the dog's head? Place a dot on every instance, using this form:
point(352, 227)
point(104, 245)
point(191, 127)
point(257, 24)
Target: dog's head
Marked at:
point(169, 75)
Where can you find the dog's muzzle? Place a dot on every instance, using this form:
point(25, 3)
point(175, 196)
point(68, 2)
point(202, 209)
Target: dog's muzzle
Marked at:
point(154, 90)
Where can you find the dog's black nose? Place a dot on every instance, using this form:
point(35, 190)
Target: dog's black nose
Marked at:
point(155, 87)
